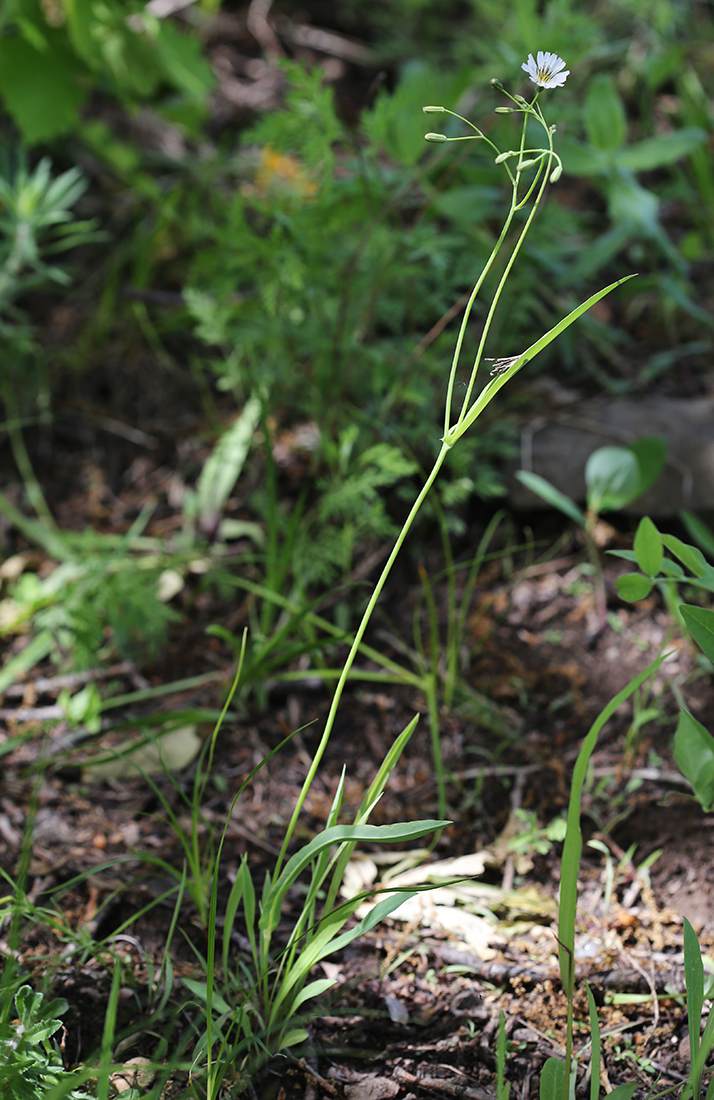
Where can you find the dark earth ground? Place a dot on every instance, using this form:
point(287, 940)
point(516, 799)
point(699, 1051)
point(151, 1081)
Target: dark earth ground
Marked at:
point(426, 1028)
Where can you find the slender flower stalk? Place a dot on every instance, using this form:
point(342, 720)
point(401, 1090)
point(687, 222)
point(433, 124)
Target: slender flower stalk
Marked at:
point(546, 72)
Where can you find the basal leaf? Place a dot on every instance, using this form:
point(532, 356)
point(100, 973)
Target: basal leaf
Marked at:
point(694, 756)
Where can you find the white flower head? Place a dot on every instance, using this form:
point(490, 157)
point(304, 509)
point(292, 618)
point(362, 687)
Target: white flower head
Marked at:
point(546, 72)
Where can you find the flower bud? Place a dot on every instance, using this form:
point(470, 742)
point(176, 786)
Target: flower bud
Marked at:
point(556, 173)
point(436, 137)
point(504, 156)
point(503, 110)
point(552, 129)
point(497, 84)
point(526, 164)
point(432, 110)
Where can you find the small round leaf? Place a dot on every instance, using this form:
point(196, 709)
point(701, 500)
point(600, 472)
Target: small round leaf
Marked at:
point(633, 587)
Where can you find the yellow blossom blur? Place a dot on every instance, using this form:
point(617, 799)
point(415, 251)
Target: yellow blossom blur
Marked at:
point(282, 175)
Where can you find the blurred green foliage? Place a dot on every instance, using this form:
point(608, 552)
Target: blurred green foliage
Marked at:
point(55, 53)
point(321, 262)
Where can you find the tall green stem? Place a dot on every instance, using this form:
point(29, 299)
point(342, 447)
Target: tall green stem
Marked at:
point(545, 158)
point(354, 648)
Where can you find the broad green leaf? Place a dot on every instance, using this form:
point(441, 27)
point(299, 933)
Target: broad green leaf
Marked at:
point(396, 124)
point(689, 556)
point(694, 756)
point(240, 885)
point(633, 206)
point(651, 455)
point(648, 547)
point(294, 1037)
point(582, 159)
point(547, 492)
point(28, 1004)
point(37, 1033)
point(39, 89)
point(699, 531)
point(658, 151)
point(604, 113)
point(79, 24)
point(673, 569)
point(181, 58)
point(612, 477)
point(700, 622)
point(553, 1085)
point(624, 1092)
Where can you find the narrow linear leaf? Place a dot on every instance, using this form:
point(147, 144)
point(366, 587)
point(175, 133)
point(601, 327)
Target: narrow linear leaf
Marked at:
point(499, 381)
point(595, 1046)
point(573, 846)
point(699, 531)
point(690, 556)
point(547, 492)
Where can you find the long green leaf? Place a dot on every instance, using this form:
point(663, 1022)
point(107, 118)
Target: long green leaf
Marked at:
point(339, 834)
point(547, 492)
point(491, 389)
point(31, 655)
point(225, 463)
point(326, 942)
point(594, 1046)
point(658, 151)
point(573, 846)
point(553, 1085)
point(694, 977)
point(375, 791)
